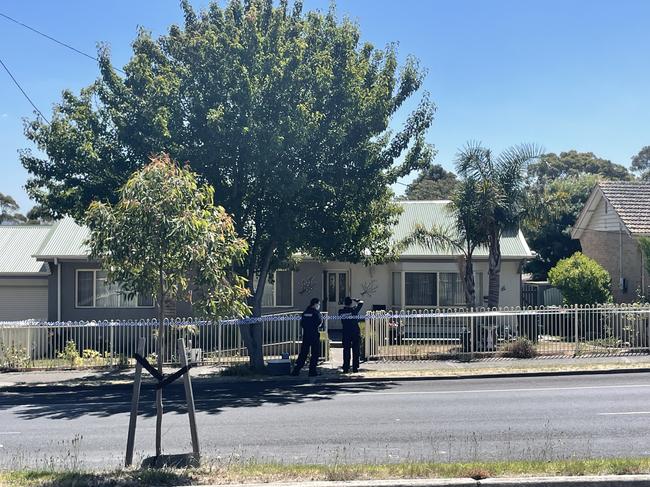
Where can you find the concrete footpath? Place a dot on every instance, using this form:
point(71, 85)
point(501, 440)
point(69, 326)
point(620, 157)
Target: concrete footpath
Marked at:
point(370, 371)
point(586, 481)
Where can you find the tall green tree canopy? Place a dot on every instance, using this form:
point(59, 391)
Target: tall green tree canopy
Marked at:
point(558, 188)
point(285, 113)
point(9, 210)
point(641, 163)
point(572, 163)
point(432, 183)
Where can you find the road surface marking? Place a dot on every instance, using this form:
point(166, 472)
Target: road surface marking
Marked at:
point(483, 391)
point(9, 432)
point(624, 414)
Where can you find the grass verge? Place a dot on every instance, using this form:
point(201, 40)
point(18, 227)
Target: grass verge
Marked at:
point(272, 472)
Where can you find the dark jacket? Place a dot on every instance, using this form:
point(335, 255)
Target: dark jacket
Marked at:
point(311, 320)
point(351, 324)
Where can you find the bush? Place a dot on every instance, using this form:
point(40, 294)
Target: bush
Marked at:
point(582, 280)
point(70, 354)
point(521, 348)
point(13, 357)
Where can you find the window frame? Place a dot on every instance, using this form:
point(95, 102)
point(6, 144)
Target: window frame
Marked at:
point(275, 289)
point(478, 278)
point(94, 305)
point(419, 306)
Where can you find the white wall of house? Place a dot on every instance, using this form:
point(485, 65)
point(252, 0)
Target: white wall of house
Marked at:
point(605, 218)
point(374, 284)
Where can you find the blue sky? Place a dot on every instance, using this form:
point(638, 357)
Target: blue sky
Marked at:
point(563, 74)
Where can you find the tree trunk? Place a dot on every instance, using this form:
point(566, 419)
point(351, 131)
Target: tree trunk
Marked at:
point(494, 270)
point(252, 334)
point(466, 266)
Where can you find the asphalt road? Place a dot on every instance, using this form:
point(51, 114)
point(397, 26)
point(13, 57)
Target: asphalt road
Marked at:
point(443, 420)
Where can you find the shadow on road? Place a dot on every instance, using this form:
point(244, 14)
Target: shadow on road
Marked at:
point(63, 402)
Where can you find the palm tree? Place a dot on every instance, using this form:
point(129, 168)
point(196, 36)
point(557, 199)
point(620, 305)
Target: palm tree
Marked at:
point(502, 183)
point(467, 233)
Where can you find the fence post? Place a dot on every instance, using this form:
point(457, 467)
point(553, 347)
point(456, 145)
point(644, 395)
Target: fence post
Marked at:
point(472, 325)
point(368, 334)
point(576, 336)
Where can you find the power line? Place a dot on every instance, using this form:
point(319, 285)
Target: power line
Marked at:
point(23, 91)
point(55, 40)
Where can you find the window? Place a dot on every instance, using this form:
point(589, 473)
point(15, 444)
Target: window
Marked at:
point(94, 291)
point(420, 288)
point(279, 293)
point(451, 289)
point(452, 292)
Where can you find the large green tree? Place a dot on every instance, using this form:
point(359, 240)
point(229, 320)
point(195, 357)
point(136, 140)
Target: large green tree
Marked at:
point(165, 238)
point(501, 180)
point(558, 187)
point(552, 166)
point(9, 210)
point(641, 163)
point(432, 183)
point(285, 113)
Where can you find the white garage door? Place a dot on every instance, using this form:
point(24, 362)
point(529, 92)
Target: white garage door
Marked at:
point(23, 302)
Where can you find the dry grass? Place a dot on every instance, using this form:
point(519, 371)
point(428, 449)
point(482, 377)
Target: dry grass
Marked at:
point(270, 472)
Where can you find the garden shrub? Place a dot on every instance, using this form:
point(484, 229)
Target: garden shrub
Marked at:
point(70, 354)
point(521, 348)
point(582, 280)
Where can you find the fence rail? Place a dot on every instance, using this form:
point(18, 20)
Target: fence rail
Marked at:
point(33, 344)
point(569, 331)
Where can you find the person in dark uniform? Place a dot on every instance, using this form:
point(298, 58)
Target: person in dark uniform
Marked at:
point(351, 333)
point(310, 322)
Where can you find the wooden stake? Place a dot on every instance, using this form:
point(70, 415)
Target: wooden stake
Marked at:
point(137, 381)
point(189, 396)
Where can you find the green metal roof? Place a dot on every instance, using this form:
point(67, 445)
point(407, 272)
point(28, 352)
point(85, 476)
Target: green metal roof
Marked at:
point(66, 240)
point(436, 213)
point(17, 245)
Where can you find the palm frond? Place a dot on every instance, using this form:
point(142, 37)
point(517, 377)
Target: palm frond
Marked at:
point(433, 238)
point(473, 160)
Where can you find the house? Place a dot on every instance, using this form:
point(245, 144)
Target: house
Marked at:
point(420, 278)
point(609, 226)
point(23, 279)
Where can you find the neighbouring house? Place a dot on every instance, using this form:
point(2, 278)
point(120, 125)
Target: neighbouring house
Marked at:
point(23, 279)
point(609, 226)
point(419, 279)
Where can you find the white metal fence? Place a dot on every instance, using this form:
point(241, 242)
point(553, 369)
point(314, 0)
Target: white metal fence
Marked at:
point(33, 344)
point(519, 332)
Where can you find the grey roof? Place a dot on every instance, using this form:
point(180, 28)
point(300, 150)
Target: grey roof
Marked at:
point(436, 213)
point(17, 245)
point(631, 201)
point(66, 240)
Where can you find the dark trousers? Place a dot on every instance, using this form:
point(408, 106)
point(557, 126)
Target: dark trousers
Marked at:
point(351, 343)
point(311, 342)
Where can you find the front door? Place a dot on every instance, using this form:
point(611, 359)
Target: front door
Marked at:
point(336, 289)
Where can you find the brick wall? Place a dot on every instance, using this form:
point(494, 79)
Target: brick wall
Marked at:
point(607, 248)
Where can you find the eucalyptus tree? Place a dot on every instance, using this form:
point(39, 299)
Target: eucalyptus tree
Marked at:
point(165, 238)
point(289, 115)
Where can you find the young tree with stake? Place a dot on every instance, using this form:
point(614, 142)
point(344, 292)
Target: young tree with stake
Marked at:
point(165, 237)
